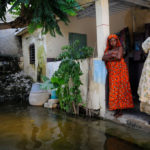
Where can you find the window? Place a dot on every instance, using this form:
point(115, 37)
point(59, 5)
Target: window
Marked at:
point(76, 36)
point(32, 54)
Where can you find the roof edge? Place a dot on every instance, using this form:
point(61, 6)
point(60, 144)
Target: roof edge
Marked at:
point(21, 31)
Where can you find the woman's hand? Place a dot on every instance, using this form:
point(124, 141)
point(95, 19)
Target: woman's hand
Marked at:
point(112, 55)
point(107, 56)
point(119, 53)
point(109, 52)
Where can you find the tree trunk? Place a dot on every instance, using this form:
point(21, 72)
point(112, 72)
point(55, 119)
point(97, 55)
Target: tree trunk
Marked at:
point(13, 25)
point(4, 26)
point(19, 22)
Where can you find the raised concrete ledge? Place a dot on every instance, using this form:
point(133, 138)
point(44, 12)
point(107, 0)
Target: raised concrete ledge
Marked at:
point(135, 120)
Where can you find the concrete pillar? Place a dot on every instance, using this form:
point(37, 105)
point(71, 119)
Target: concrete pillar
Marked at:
point(103, 30)
point(102, 25)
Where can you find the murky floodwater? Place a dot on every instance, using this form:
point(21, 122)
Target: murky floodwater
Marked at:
point(36, 128)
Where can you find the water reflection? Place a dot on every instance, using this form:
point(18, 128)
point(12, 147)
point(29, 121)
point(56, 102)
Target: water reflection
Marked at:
point(35, 128)
point(117, 144)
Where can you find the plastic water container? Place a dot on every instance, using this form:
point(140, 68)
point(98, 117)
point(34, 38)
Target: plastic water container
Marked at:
point(53, 94)
point(36, 88)
point(37, 96)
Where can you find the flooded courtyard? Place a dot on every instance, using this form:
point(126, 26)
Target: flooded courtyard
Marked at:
point(36, 128)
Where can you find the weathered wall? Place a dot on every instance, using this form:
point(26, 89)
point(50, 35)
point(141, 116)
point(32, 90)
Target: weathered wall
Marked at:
point(9, 43)
point(40, 54)
point(97, 77)
point(84, 79)
point(84, 26)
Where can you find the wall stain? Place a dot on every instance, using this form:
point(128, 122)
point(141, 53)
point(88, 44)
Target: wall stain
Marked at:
point(41, 58)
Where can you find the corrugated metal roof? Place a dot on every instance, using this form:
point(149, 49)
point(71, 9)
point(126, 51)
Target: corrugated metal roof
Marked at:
point(114, 7)
point(118, 6)
point(21, 31)
point(142, 3)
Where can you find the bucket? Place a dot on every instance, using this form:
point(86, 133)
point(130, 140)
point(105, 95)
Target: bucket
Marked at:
point(36, 88)
point(53, 94)
point(37, 96)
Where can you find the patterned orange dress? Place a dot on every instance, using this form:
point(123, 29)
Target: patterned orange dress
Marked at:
point(120, 96)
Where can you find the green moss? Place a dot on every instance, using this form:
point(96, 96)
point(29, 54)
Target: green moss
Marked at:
point(41, 56)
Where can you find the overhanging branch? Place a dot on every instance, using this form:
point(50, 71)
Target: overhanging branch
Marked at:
point(19, 22)
point(22, 21)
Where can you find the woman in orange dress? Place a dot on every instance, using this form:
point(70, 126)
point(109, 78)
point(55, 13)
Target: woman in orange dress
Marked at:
point(120, 96)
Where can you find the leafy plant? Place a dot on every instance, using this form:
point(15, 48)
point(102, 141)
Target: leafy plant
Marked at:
point(75, 52)
point(67, 77)
point(47, 84)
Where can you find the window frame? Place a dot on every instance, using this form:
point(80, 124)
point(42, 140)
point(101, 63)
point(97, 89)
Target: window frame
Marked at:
point(32, 54)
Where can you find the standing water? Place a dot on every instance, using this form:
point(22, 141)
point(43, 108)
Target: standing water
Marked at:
point(36, 128)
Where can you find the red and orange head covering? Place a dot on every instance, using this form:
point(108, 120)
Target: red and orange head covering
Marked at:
point(109, 38)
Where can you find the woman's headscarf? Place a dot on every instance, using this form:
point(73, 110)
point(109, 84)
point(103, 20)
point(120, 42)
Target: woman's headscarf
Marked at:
point(108, 43)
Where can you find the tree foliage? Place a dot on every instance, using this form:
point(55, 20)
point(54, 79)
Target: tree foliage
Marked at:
point(43, 14)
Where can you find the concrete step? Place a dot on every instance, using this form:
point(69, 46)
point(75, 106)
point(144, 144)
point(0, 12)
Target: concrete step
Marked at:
point(52, 103)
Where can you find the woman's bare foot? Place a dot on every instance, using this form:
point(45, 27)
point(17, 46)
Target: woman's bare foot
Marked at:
point(119, 114)
point(116, 112)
